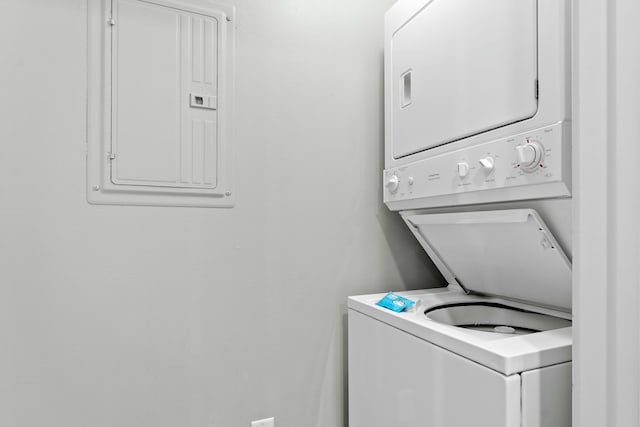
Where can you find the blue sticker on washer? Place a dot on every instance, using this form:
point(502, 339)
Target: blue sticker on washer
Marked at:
point(395, 302)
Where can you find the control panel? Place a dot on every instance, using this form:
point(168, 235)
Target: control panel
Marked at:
point(531, 165)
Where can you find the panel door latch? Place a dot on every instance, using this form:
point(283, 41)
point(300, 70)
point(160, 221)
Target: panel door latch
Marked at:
point(203, 101)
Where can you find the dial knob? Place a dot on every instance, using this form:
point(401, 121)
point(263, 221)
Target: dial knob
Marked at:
point(530, 155)
point(487, 163)
point(463, 169)
point(526, 154)
point(392, 184)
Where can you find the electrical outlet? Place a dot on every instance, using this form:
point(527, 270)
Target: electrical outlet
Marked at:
point(267, 422)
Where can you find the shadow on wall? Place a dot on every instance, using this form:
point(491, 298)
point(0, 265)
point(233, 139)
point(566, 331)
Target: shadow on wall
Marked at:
point(416, 269)
point(413, 264)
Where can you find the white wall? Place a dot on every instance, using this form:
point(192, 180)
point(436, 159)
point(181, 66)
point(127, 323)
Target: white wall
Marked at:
point(171, 317)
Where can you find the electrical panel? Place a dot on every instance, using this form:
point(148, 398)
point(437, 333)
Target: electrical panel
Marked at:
point(160, 94)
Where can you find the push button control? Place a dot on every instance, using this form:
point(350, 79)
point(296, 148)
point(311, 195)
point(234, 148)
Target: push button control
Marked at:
point(463, 169)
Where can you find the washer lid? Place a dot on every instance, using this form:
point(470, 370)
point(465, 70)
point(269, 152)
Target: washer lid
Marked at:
point(507, 253)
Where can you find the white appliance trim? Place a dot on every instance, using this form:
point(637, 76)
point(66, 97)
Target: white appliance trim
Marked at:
point(606, 201)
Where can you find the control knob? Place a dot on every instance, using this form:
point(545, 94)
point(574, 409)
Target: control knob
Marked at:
point(392, 184)
point(530, 155)
point(487, 163)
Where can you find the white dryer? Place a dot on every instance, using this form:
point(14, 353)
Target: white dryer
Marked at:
point(477, 102)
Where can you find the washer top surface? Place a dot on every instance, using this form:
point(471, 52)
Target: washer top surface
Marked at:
point(504, 335)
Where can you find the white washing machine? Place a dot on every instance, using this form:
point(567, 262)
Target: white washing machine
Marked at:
point(478, 163)
point(461, 357)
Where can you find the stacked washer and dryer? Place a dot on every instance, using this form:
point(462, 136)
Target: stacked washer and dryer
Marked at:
point(478, 164)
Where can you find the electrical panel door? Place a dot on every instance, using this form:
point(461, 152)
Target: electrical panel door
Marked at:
point(160, 75)
point(164, 95)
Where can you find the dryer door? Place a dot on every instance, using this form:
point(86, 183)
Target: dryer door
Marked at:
point(507, 253)
point(457, 68)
